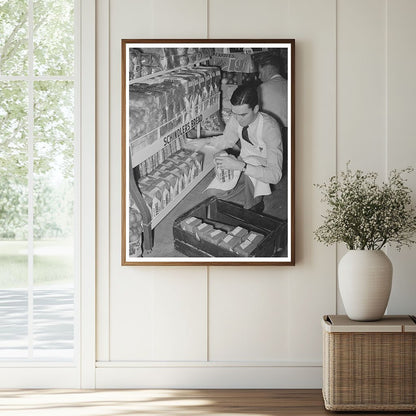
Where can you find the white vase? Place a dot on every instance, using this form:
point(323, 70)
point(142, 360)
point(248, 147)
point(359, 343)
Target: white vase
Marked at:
point(364, 278)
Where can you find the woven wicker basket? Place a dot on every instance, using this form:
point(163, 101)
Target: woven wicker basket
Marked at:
point(369, 366)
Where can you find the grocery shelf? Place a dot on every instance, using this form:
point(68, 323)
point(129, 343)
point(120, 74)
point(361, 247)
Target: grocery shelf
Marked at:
point(165, 211)
point(167, 71)
point(146, 146)
point(140, 154)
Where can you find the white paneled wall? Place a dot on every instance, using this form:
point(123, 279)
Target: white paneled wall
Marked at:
point(254, 326)
point(361, 88)
point(361, 84)
point(401, 131)
point(248, 316)
point(311, 282)
point(243, 20)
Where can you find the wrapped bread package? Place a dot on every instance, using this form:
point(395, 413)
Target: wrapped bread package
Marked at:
point(190, 224)
point(186, 172)
point(157, 175)
point(202, 230)
point(198, 157)
point(230, 241)
point(145, 182)
point(168, 165)
point(173, 181)
point(138, 125)
point(153, 199)
point(134, 65)
point(215, 236)
point(245, 248)
point(164, 188)
point(182, 154)
point(175, 158)
point(239, 232)
point(181, 178)
point(223, 175)
point(160, 62)
point(193, 168)
point(254, 237)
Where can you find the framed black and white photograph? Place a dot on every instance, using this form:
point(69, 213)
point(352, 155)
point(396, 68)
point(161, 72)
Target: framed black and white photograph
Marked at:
point(208, 152)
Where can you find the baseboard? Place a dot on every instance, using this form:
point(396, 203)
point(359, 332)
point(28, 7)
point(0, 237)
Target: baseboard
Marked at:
point(209, 377)
point(39, 378)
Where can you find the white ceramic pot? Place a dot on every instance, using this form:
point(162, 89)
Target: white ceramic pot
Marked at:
point(364, 278)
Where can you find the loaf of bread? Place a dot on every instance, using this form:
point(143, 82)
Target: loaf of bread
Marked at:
point(198, 157)
point(173, 181)
point(164, 188)
point(202, 230)
point(145, 182)
point(223, 175)
point(215, 236)
point(186, 172)
point(245, 248)
point(239, 232)
point(182, 182)
point(190, 224)
point(254, 237)
point(153, 199)
point(229, 242)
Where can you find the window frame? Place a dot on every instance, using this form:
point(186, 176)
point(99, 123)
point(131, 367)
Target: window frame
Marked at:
point(81, 371)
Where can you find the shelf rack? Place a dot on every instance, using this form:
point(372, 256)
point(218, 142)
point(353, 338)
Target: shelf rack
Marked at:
point(138, 152)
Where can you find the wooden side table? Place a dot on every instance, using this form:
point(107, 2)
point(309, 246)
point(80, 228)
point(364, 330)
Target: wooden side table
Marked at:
point(369, 366)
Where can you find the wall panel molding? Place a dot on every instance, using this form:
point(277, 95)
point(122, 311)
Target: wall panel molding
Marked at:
point(210, 377)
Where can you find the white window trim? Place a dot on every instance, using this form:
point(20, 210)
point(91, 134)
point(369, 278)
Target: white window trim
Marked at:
point(81, 372)
point(87, 300)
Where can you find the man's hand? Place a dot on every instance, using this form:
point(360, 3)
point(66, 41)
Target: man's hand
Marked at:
point(229, 162)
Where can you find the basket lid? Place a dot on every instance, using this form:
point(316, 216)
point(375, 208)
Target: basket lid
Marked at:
point(389, 323)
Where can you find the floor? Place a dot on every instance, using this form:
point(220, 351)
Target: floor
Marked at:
point(166, 402)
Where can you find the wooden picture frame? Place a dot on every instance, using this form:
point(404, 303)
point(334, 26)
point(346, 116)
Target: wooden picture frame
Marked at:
point(177, 95)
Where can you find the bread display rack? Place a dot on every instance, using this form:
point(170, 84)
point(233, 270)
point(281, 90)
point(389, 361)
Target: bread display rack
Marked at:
point(165, 134)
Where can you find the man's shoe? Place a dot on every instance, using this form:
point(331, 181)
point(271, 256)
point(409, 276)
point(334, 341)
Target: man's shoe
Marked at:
point(259, 208)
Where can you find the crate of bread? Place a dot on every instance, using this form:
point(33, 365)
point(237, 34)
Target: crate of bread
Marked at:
point(218, 228)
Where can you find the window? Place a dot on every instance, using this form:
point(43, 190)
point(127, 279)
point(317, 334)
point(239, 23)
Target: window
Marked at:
point(38, 185)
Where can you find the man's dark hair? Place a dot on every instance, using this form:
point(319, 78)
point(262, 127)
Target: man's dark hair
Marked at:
point(245, 94)
point(269, 59)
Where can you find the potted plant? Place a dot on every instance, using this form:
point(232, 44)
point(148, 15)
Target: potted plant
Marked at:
point(366, 215)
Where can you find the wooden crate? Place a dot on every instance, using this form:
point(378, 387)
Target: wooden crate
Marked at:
point(369, 366)
point(274, 230)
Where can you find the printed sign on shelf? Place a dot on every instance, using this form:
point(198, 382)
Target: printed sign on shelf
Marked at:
point(234, 62)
